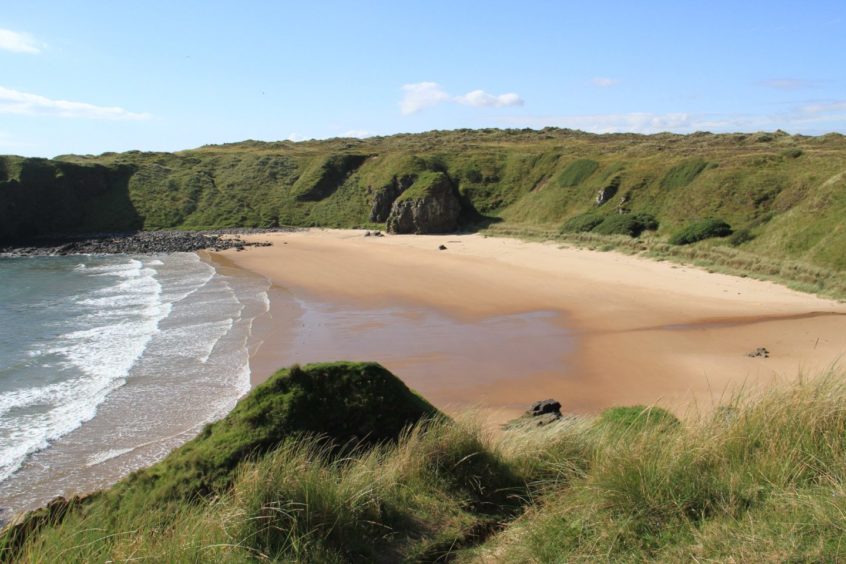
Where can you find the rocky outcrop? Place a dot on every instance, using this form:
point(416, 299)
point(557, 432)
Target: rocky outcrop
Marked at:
point(539, 414)
point(545, 406)
point(608, 192)
point(384, 197)
point(430, 205)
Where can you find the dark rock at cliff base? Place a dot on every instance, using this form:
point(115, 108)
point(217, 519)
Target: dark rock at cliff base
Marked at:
point(430, 205)
point(545, 406)
point(141, 242)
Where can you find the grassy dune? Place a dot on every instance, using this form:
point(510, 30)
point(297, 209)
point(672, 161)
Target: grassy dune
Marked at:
point(761, 479)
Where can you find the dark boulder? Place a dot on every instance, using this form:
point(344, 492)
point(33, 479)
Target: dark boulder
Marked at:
point(545, 406)
point(430, 205)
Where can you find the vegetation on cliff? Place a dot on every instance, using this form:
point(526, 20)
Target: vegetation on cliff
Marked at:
point(785, 193)
point(757, 479)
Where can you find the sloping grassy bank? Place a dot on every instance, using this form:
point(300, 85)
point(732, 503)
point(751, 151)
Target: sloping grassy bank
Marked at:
point(779, 196)
point(761, 478)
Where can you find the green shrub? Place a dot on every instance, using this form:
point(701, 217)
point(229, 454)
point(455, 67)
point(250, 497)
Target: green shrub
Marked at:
point(627, 224)
point(581, 223)
point(699, 230)
point(792, 153)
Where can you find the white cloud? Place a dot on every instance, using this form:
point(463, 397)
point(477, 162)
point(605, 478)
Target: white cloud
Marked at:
point(422, 95)
point(295, 137)
point(817, 118)
point(481, 99)
point(824, 108)
point(18, 42)
point(16, 102)
point(604, 82)
point(357, 133)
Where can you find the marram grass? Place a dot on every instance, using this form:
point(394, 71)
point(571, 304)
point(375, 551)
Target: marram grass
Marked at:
point(760, 478)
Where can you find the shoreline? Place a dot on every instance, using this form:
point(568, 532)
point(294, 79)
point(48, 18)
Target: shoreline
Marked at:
point(135, 242)
point(643, 331)
point(198, 351)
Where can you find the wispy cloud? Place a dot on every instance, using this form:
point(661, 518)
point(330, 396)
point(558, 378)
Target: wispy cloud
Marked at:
point(19, 42)
point(787, 83)
point(357, 133)
point(604, 82)
point(422, 95)
point(481, 99)
point(16, 102)
point(817, 117)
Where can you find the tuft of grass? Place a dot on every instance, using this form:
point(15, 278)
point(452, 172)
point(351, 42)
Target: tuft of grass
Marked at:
point(766, 484)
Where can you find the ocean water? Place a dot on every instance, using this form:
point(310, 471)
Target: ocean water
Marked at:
point(109, 362)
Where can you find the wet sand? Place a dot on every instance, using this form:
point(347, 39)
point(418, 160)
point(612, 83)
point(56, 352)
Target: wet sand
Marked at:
point(498, 323)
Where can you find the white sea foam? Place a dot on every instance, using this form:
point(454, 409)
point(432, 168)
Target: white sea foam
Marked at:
point(121, 319)
point(147, 336)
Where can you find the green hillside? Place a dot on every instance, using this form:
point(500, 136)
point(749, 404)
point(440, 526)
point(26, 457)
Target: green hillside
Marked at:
point(760, 479)
point(783, 196)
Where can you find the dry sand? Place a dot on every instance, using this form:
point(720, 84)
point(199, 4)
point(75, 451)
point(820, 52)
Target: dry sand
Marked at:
point(630, 330)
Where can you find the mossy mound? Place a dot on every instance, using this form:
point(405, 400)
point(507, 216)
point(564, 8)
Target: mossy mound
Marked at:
point(637, 418)
point(348, 403)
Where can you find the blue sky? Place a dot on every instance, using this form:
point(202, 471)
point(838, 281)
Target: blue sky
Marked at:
point(89, 77)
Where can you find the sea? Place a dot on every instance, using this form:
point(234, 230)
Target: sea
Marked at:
point(109, 362)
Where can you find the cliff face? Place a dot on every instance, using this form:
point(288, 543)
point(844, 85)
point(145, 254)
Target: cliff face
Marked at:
point(430, 205)
point(787, 193)
point(43, 198)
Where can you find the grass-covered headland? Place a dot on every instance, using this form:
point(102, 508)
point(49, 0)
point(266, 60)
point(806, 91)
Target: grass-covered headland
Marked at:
point(758, 196)
point(342, 463)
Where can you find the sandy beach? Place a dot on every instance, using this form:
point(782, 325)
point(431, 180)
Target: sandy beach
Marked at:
point(591, 329)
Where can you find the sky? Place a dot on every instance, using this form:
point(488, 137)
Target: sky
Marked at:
point(88, 77)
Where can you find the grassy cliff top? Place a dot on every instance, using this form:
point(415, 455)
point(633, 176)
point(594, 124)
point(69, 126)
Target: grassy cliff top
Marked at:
point(779, 197)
